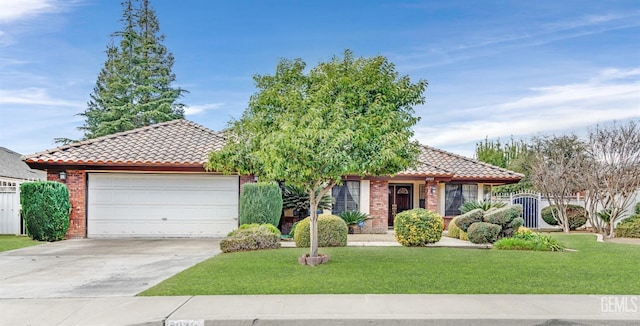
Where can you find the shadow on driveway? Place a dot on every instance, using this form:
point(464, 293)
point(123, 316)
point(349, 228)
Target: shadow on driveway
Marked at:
point(98, 267)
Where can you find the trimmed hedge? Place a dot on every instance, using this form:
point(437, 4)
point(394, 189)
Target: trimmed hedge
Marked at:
point(418, 227)
point(483, 232)
point(576, 215)
point(453, 229)
point(332, 232)
point(629, 227)
point(45, 208)
point(251, 237)
point(465, 220)
point(508, 218)
point(260, 203)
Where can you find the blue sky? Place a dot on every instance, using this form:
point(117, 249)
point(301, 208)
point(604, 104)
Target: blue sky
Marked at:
point(495, 68)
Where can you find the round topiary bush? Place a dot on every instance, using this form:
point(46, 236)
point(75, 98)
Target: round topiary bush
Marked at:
point(332, 232)
point(251, 237)
point(465, 220)
point(418, 227)
point(453, 231)
point(576, 214)
point(482, 232)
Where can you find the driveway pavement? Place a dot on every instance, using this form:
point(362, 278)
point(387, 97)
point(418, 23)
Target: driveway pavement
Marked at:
point(97, 267)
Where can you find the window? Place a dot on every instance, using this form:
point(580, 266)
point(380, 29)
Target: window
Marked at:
point(456, 195)
point(421, 197)
point(346, 197)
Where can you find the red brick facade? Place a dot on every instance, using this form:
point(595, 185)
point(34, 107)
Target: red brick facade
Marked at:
point(246, 179)
point(379, 205)
point(76, 183)
point(431, 199)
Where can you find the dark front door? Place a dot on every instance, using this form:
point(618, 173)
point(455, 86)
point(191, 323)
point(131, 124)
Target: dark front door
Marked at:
point(400, 199)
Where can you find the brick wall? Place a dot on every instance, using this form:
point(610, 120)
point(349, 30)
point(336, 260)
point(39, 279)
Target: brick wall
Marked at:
point(431, 200)
point(245, 179)
point(77, 194)
point(379, 205)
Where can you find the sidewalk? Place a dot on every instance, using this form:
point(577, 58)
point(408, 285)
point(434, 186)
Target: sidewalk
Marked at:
point(326, 310)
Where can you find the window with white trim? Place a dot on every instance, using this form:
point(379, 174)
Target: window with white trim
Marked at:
point(346, 197)
point(458, 194)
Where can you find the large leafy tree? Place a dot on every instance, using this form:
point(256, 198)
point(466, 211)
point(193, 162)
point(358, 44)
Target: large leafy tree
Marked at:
point(347, 116)
point(513, 155)
point(134, 88)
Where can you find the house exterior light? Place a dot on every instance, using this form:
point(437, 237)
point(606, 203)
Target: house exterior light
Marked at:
point(62, 175)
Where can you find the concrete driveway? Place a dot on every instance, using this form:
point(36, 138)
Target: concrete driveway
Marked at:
point(98, 267)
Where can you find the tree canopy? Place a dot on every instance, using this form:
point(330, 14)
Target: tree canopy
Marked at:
point(133, 88)
point(347, 116)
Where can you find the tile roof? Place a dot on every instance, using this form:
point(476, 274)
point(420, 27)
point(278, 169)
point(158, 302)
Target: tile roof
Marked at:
point(11, 166)
point(178, 142)
point(433, 162)
point(182, 142)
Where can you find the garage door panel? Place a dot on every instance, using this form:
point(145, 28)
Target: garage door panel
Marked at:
point(161, 205)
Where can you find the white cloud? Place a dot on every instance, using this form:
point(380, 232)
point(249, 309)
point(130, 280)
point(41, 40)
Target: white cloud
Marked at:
point(196, 109)
point(13, 10)
point(613, 94)
point(34, 96)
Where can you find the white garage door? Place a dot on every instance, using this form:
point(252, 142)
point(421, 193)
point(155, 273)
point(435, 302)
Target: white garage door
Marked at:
point(161, 205)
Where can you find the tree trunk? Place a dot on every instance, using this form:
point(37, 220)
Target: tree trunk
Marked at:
point(313, 224)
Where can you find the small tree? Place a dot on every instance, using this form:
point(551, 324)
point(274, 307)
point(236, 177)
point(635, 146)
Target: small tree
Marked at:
point(613, 173)
point(348, 116)
point(556, 171)
point(513, 155)
point(260, 203)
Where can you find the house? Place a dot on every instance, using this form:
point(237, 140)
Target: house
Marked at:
point(151, 182)
point(13, 172)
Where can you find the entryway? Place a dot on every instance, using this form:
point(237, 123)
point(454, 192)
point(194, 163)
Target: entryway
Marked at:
point(400, 199)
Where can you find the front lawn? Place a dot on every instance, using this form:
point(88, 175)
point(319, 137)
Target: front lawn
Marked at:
point(596, 268)
point(10, 242)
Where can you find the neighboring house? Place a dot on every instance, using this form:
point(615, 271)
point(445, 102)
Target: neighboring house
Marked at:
point(151, 182)
point(13, 172)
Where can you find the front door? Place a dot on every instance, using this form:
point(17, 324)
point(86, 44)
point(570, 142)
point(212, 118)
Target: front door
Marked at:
point(400, 199)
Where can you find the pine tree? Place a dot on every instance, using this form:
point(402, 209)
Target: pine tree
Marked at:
point(134, 88)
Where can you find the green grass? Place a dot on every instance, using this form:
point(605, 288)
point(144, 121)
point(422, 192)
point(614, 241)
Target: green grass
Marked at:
point(596, 268)
point(10, 242)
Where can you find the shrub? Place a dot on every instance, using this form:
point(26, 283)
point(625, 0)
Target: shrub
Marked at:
point(629, 227)
point(482, 232)
point(354, 217)
point(464, 236)
point(292, 232)
point(503, 216)
point(485, 205)
point(46, 209)
point(270, 227)
point(332, 232)
point(465, 220)
point(260, 203)
point(453, 229)
point(251, 237)
point(527, 240)
point(418, 227)
point(637, 208)
point(576, 215)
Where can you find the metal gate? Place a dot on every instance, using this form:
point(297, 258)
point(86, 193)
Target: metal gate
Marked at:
point(530, 202)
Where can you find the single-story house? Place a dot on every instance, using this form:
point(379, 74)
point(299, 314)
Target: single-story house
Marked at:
point(151, 182)
point(13, 172)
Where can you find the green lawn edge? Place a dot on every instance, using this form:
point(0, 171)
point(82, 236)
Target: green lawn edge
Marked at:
point(594, 268)
point(12, 242)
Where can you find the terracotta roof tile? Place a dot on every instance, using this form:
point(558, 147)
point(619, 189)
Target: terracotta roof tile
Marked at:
point(182, 142)
point(177, 142)
point(432, 160)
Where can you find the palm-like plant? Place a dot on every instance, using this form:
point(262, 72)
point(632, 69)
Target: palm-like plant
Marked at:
point(485, 205)
point(354, 217)
point(297, 198)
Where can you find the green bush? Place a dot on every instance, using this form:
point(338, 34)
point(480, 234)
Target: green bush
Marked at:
point(418, 227)
point(464, 236)
point(46, 209)
point(485, 205)
point(292, 232)
point(332, 232)
point(629, 227)
point(270, 227)
point(508, 218)
point(453, 229)
point(251, 237)
point(527, 240)
point(260, 203)
point(576, 215)
point(482, 232)
point(297, 199)
point(637, 208)
point(465, 220)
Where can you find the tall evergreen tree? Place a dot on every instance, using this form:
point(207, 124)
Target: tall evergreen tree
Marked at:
point(134, 88)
